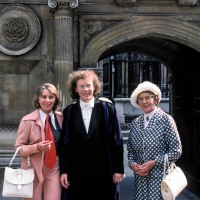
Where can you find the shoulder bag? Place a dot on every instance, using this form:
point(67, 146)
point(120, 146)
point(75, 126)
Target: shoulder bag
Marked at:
point(18, 182)
point(174, 181)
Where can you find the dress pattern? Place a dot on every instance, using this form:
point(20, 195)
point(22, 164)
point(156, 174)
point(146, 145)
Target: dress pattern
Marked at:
point(160, 137)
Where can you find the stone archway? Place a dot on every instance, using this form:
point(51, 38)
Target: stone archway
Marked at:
point(139, 27)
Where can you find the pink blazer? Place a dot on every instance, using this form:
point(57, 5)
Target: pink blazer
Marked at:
point(31, 132)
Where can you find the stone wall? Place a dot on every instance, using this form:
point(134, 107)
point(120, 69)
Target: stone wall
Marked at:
point(125, 109)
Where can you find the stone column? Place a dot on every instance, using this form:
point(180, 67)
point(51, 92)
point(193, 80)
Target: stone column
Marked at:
point(63, 64)
point(63, 61)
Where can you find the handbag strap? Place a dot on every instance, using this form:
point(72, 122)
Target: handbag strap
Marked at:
point(16, 152)
point(166, 164)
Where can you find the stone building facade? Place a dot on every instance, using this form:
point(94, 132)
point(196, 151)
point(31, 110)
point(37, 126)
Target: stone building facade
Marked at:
point(44, 40)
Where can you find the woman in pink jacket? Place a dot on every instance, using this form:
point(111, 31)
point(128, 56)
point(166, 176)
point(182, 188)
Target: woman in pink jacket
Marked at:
point(32, 142)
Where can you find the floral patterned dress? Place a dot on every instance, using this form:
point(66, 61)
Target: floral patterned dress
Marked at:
point(159, 138)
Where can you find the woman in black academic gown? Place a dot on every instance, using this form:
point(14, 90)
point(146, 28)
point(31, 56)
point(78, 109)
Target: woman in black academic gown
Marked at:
point(91, 162)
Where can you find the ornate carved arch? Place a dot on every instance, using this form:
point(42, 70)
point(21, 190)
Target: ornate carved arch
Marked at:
point(138, 27)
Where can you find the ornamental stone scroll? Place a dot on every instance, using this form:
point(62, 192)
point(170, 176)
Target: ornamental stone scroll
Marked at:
point(54, 3)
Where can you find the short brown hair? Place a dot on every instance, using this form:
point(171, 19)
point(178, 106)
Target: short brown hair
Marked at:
point(52, 89)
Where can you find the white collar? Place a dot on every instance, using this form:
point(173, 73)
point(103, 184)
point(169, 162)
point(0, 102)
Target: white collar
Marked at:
point(150, 115)
point(89, 104)
point(43, 114)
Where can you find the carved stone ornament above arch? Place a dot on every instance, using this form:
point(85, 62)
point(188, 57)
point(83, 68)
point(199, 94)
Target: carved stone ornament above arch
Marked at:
point(20, 29)
point(92, 27)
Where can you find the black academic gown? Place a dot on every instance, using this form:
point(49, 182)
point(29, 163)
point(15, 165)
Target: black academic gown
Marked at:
point(90, 159)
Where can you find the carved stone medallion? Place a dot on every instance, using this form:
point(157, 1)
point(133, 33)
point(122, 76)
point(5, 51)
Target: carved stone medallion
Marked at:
point(20, 29)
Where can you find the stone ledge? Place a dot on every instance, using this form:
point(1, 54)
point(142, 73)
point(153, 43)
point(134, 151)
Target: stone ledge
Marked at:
point(125, 135)
point(6, 156)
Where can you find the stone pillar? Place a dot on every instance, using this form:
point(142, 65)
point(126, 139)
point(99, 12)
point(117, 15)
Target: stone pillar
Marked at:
point(63, 64)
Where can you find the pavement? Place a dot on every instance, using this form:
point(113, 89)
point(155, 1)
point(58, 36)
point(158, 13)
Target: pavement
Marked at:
point(126, 186)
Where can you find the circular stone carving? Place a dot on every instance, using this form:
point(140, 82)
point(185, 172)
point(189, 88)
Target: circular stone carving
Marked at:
point(15, 29)
point(20, 29)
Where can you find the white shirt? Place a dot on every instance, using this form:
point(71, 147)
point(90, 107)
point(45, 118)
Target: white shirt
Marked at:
point(43, 116)
point(150, 116)
point(86, 109)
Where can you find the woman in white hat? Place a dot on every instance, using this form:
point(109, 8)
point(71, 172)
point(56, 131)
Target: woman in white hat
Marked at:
point(152, 135)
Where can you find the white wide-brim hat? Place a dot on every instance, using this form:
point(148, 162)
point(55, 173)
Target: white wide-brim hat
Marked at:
point(142, 87)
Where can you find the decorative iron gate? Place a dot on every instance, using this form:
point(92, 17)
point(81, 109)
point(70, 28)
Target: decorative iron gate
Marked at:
point(123, 72)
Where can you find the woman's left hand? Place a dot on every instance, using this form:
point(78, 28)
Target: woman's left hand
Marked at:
point(144, 169)
point(44, 145)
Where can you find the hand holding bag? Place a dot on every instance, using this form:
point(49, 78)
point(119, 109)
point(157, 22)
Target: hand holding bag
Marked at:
point(173, 182)
point(18, 182)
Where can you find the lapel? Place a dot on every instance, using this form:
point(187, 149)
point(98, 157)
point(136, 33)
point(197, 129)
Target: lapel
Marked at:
point(93, 122)
point(35, 115)
point(79, 119)
point(141, 123)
